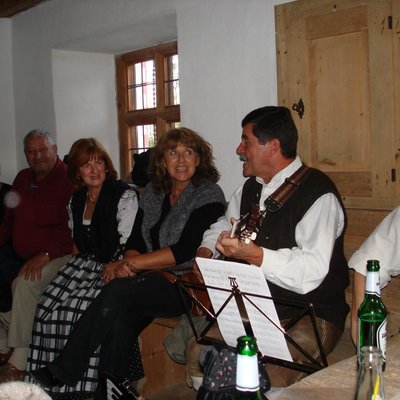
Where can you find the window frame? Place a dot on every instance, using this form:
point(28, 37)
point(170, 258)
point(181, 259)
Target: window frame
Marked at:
point(161, 116)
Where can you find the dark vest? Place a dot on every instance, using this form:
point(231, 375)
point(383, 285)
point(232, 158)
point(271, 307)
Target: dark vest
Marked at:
point(278, 231)
point(104, 236)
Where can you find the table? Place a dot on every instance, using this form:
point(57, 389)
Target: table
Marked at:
point(338, 381)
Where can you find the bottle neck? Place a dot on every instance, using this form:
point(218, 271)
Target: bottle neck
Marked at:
point(372, 283)
point(371, 357)
point(370, 377)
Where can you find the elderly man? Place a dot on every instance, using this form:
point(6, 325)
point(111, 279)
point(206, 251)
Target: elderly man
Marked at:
point(299, 247)
point(35, 243)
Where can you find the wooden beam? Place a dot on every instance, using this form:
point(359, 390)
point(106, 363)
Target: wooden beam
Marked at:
point(8, 8)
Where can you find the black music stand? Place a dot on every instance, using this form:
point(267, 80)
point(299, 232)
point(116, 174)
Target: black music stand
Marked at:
point(310, 363)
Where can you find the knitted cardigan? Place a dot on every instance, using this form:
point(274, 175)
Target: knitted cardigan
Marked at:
point(171, 228)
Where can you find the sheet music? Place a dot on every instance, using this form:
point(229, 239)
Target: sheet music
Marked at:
point(250, 279)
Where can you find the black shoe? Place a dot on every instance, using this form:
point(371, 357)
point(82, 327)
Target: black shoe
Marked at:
point(45, 378)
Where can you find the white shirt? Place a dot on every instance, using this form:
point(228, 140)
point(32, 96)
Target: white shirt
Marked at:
point(301, 268)
point(383, 245)
point(127, 208)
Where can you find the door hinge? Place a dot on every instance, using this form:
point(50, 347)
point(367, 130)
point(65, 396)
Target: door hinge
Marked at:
point(393, 175)
point(299, 108)
point(390, 22)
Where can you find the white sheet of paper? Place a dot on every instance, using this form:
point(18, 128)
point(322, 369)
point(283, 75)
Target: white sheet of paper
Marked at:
point(250, 279)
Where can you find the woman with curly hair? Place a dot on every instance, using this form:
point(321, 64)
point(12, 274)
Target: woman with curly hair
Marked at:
point(177, 206)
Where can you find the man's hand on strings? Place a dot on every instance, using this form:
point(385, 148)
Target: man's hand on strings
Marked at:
point(237, 249)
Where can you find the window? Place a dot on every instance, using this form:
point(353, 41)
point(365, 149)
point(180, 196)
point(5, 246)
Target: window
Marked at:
point(148, 99)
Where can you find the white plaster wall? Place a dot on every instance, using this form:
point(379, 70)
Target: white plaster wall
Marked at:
point(8, 162)
point(84, 99)
point(227, 64)
point(80, 25)
point(228, 68)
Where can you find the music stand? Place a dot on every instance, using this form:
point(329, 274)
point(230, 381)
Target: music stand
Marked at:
point(309, 365)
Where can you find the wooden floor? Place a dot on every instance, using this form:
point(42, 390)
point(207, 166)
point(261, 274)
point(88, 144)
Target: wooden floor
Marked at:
point(177, 392)
point(160, 371)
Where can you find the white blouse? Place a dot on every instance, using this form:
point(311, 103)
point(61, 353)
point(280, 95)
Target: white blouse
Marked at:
point(383, 245)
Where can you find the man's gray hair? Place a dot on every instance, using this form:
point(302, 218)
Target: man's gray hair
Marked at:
point(38, 132)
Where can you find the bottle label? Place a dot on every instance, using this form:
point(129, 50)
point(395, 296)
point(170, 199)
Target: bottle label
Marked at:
point(247, 373)
point(372, 283)
point(381, 336)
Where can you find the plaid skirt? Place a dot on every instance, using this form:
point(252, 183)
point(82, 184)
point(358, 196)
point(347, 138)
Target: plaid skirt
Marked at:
point(62, 303)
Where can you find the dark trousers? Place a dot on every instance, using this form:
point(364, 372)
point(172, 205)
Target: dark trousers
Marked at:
point(10, 264)
point(113, 321)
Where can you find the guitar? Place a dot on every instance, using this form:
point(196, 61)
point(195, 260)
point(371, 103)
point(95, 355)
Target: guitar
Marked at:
point(245, 229)
point(247, 226)
point(121, 390)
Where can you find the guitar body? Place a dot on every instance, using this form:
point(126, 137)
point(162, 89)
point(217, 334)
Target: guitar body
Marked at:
point(245, 230)
point(199, 293)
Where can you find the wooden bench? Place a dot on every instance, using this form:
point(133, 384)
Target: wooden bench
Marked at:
point(161, 372)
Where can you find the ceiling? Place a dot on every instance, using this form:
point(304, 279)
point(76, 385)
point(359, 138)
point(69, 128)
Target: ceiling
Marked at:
point(9, 8)
point(126, 38)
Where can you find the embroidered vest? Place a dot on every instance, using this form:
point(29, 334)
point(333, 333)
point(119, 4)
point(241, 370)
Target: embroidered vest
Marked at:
point(104, 236)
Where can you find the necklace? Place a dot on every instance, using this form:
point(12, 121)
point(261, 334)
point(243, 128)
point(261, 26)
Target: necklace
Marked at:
point(90, 199)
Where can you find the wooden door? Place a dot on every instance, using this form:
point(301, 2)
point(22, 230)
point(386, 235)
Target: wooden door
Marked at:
point(339, 57)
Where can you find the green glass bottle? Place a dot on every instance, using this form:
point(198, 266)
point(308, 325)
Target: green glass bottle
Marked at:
point(247, 378)
point(372, 314)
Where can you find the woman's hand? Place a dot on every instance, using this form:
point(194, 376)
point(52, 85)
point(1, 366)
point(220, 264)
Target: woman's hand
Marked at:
point(117, 269)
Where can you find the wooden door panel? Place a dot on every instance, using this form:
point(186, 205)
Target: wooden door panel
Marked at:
point(396, 85)
point(382, 101)
point(340, 134)
point(337, 22)
point(337, 56)
point(352, 184)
